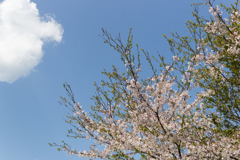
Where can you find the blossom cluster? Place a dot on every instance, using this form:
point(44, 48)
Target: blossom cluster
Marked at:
point(161, 123)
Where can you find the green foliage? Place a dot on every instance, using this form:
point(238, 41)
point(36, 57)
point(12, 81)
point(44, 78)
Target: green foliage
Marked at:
point(225, 96)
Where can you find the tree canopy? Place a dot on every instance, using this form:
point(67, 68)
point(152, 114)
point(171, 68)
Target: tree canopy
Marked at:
point(156, 117)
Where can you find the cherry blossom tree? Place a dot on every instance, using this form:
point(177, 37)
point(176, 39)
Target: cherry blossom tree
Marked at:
point(225, 82)
point(187, 109)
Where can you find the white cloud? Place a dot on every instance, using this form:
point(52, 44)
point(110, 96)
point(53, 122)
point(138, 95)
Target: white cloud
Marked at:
point(22, 35)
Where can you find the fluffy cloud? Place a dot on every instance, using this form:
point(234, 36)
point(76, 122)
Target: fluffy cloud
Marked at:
point(22, 35)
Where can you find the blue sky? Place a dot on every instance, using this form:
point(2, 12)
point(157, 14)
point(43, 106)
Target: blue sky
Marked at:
point(46, 52)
